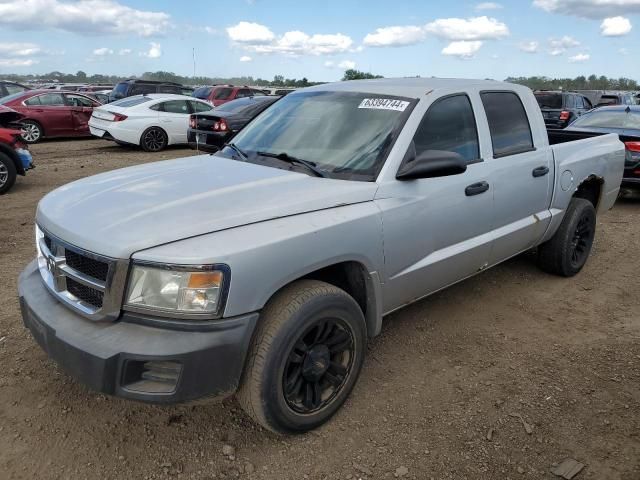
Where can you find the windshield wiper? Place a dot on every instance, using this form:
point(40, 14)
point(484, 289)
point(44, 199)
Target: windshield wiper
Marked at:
point(285, 157)
point(236, 149)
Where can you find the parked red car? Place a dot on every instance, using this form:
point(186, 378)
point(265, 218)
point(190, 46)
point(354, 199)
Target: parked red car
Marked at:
point(219, 94)
point(15, 158)
point(50, 113)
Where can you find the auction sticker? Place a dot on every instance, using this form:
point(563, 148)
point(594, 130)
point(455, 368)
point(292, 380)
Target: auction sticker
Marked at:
point(384, 104)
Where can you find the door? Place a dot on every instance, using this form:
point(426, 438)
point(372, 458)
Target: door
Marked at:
point(521, 175)
point(174, 119)
point(50, 110)
point(81, 109)
point(436, 229)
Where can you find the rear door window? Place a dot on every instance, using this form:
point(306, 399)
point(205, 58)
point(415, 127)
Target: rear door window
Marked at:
point(243, 92)
point(51, 99)
point(569, 101)
point(78, 101)
point(508, 123)
point(222, 93)
point(176, 106)
point(449, 125)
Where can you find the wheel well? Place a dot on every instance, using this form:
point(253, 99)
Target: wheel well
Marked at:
point(353, 278)
point(590, 189)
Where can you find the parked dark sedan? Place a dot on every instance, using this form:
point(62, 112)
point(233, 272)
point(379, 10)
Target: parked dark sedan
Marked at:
point(209, 131)
point(623, 120)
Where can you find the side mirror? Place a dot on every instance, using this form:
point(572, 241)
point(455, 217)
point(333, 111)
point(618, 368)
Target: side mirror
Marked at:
point(432, 163)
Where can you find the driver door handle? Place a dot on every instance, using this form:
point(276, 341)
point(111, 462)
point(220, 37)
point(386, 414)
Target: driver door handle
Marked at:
point(540, 171)
point(476, 189)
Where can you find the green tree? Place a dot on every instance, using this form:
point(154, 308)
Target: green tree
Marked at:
point(353, 74)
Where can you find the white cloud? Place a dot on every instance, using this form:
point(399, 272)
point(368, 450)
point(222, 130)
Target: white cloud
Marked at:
point(17, 62)
point(478, 28)
point(462, 49)
point(343, 65)
point(248, 32)
point(557, 46)
point(579, 58)
point(245, 58)
point(124, 51)
point(488, 6)
point(615, 26)
point(19, 49)
point(211, 30)
point(83, 16)
point(260, 39)
point(155, 51)
point(395, 36)
point(102, 52)
point(589, 8)
point(529, 47)
point(347, 64)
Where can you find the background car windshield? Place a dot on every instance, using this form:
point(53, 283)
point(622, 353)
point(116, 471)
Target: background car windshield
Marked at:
point(549, 100)
point(609, 119)
point(9, 98)
point(328, 128)
point(130, 101)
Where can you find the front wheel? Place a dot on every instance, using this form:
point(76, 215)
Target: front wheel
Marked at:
point(306, 356)
point(153, 139)
point(7, 173)
point(567, 251)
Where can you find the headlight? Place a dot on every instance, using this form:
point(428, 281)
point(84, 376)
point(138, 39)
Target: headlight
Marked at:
point(175, 289)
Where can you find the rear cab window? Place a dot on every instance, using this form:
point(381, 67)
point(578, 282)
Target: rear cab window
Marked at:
point(508, 123)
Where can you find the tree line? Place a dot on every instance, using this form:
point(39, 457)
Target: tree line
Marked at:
point(592, 82)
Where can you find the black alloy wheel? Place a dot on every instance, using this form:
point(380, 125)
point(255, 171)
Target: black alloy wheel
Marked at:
point(154, 139)
point(318, 365)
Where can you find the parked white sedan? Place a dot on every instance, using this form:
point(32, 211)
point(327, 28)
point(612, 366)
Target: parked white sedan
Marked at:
point(151, 121)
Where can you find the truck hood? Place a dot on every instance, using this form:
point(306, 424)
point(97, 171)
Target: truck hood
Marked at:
point(124, 211)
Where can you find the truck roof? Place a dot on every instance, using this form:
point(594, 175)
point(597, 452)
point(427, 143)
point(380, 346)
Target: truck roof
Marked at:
point(411, 87)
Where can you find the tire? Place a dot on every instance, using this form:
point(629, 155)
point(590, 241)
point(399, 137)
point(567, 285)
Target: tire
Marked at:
point(7, 173)
point(568, 250)
point(32, 131)
point(283, 354)
point(154, 139)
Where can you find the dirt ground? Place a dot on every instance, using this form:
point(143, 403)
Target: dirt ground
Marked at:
point(436, 399)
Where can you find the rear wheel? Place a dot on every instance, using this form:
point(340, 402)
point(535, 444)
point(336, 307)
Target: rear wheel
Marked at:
point(32, 131)
point(305, 359)
point(567, 251)
point(7, 173)
point(153, 139)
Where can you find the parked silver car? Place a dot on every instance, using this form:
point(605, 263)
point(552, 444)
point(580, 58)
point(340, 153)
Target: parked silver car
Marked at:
point(263, 270)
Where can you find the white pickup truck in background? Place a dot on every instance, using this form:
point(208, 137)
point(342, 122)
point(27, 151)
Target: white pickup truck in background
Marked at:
point(264, 268)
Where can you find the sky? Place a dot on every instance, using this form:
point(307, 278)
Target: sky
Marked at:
point(319, 40)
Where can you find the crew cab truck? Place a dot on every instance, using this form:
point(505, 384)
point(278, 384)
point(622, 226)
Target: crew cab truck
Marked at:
point(262, 270)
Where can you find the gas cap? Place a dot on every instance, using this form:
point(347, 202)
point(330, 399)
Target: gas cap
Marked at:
point(566, 180)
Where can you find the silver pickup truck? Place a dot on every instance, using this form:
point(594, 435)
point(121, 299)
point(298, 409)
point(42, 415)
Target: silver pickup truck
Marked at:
point(262, 270)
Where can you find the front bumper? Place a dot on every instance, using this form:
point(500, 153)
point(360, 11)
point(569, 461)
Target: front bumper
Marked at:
point(110, 356)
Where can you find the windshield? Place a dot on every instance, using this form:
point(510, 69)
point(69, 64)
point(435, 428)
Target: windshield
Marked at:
point(9, 98)
point(549, 100)
point(345, 134)
point(120, 90)
point(609, 119)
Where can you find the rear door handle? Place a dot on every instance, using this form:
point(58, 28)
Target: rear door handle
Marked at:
point(476, 189)
point(540, 171)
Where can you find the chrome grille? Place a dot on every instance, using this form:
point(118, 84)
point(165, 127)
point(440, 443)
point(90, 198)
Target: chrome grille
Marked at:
point(89, 283)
